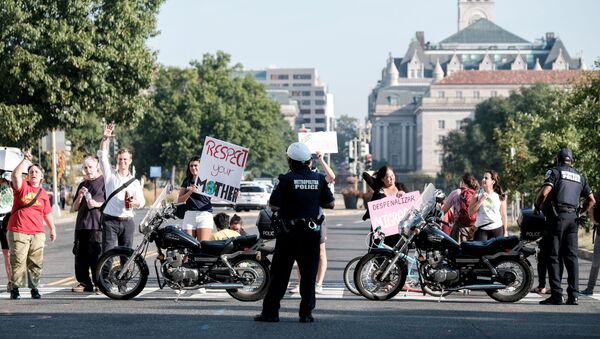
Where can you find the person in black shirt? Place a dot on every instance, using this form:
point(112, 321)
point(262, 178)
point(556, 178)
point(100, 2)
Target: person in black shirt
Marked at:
point(198, 218)
point(384, 185)
point(297, 198)
point(559, 199)
point(87, 249)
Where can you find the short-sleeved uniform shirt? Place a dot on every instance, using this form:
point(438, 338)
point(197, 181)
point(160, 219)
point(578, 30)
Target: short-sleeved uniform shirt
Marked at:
point(89, 219)
point(29, 220)
point(567, 186)
point(300, 194)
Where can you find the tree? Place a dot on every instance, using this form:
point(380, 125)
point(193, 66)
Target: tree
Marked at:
point(583, 103)
point(510, 135)
point(473, 148)
point(62, 61)
point(207, 100)
point(535, 130)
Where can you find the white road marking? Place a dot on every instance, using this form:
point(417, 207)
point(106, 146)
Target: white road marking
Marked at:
point(328, 293)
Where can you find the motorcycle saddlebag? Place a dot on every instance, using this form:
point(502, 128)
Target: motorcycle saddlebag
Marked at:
point(264, 224)
point(532, 225)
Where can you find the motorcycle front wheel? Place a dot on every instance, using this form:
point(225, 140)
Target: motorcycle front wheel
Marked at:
point(130, 284)
point(517, 275)
point(349, 275)
point(368, 280)
point(254, 275)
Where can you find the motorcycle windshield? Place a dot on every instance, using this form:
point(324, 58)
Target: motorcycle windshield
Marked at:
point(156, 207)
point(422, 208)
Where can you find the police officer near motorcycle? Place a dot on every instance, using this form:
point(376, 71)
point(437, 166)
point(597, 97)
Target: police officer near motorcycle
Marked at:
point(558, 199)
point(296, 198)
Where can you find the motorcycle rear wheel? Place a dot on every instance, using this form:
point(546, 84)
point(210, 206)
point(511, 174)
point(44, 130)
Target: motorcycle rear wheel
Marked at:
point(367, 277)
point(254, 276)
point(130, 284)
point(349, 276)
point(520, 273)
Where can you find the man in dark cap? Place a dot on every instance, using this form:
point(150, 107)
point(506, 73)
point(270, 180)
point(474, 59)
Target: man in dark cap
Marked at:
point(559, 199)
point(297, 198)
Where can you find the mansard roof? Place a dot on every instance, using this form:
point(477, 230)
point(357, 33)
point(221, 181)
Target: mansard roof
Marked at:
point(557, 48)
point(505, 77)
point(483, 31)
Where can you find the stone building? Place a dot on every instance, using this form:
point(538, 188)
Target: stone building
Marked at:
point(430, 89)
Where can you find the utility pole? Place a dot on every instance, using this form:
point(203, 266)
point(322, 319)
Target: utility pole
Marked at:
point(55, 195)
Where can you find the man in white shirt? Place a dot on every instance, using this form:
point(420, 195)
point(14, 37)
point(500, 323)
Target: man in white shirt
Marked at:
point(117, 220)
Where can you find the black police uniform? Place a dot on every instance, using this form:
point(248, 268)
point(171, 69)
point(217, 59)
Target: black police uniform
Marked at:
point(299, 194)
point(561, 211)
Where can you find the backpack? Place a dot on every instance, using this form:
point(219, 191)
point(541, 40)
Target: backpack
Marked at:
point(462, 217)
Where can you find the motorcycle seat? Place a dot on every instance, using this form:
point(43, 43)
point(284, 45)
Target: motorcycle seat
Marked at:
point(216, 246)
point(245, 241)
point(489, 246)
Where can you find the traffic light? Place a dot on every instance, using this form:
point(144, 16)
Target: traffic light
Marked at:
point(364, 149)
point(368, 161)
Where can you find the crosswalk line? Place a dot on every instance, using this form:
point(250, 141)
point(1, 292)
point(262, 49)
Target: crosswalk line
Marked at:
point(329, 293)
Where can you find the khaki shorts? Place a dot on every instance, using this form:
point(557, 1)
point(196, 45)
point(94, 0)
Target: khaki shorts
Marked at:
point(193, 220)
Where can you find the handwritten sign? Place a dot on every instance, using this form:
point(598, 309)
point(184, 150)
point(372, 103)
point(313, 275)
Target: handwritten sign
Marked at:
point(387, 212)
point(324, 142)
point(221, 168)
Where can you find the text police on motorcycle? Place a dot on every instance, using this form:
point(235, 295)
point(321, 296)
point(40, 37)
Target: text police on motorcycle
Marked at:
point(559, 199)
point(297, 198)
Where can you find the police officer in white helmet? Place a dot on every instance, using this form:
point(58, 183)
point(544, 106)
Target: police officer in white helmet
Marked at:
point(297, 198)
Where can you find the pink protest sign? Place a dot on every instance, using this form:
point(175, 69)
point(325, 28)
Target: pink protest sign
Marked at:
point(387, 212)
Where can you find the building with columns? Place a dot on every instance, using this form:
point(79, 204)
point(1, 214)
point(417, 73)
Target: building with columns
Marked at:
point(432, 88)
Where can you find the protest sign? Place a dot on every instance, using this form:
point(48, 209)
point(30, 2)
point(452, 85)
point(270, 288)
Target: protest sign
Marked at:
point(221, 168)
point(387, 212)
point(324, 142)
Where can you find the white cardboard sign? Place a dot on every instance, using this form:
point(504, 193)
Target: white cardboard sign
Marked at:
point(324, 142)
point(221, 168)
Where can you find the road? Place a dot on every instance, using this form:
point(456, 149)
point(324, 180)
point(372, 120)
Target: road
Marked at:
point(339, 314)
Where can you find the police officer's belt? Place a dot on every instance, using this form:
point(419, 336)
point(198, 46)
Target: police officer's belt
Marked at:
point(298, 222)
point(565, 209)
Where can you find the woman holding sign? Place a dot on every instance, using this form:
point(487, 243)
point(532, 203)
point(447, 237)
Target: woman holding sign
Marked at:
point(384, 185)
point(198, 218)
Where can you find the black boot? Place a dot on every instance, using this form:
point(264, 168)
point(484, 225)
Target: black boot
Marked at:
point(14, 294)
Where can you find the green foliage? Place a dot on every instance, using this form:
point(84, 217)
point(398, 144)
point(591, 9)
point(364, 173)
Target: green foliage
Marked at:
point(207, 100)
point(535, 130)
point(474, 147)
point(583, 105)
point(62, 62)
point(522, 133)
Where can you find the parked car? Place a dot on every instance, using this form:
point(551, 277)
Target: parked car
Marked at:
point(253, 195)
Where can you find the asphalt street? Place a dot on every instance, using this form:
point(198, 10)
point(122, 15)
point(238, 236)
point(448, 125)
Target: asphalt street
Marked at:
point(339, 314)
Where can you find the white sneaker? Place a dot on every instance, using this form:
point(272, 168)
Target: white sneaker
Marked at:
point(319, 289)
point(295, 289)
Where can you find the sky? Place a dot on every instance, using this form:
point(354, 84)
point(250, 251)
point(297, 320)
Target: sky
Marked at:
point(348, 41)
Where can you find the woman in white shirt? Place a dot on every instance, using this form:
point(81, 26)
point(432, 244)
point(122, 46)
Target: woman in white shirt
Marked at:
point(490, 205)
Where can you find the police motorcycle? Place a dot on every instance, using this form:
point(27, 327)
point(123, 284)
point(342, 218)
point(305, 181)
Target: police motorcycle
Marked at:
point(238, 265)
point(497, 266)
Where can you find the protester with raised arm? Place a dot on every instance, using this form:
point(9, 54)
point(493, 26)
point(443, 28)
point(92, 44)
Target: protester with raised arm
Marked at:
point(26, 235)
point(117, 218)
